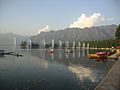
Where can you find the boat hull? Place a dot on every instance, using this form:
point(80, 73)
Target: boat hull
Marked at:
point(98, 57)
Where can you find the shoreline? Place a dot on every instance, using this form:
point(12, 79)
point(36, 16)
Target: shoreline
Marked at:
point(112, 80)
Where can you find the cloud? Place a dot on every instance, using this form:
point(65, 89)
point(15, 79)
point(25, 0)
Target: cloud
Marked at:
point(87, 21)
point(82, 72)
point(45, 29)
point(103, 18)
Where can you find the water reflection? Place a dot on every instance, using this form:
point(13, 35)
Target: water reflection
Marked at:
point(67, 55)
point(60, 54)
point(73, 54)
point(79, 53)
point(52, 56)
point(83, 73)
point(87, 51)
point(83, 52)
point(41, 70)
point(43, 63)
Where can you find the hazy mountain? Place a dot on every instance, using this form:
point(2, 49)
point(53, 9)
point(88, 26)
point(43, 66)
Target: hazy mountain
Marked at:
point(7, 39)
point(77, 34)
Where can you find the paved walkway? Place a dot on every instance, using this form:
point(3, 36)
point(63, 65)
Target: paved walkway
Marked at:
point(112, 79)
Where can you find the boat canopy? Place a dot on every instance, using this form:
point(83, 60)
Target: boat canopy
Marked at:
point(102, 53)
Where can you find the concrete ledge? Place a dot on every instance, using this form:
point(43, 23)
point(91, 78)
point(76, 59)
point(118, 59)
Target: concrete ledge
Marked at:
point(112, 79)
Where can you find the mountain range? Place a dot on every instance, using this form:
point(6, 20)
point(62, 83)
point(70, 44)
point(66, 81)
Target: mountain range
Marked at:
point(68, 34)
point(7, 40)
point(77, 34)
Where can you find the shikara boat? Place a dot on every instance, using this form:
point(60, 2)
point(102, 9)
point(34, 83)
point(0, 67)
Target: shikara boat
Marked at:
point(1, 52)
point(98, 56)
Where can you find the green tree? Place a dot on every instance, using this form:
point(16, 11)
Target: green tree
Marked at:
point(117, 33)
point(23, 45)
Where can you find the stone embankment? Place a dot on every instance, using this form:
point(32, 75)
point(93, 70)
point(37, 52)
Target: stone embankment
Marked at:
point(112, 79)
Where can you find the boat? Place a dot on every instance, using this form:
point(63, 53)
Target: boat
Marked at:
point(2, 52)
point(115, 55)
point(98, 56)
point(51, 51)
point(93, 56)
point(101, 53)
point(117, 47)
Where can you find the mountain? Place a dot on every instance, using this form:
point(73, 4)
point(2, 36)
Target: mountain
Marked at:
point(77, 34)
point(7, 39)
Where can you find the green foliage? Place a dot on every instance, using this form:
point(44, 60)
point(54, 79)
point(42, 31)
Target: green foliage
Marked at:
point(104, 43)
point(117, 33)
point(47, 46)
point(23, 45)
point(35, 45)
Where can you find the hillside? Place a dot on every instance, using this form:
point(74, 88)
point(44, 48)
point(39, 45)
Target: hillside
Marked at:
point(77, 34)
point(7, 40)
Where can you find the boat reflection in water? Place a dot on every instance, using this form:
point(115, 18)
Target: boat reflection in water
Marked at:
point(41, 70)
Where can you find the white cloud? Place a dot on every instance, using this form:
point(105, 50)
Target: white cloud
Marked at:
point(45, 29)
point(84, 21)
point(82, 72)
point(106, 19)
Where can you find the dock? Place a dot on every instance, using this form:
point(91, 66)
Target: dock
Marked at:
point(112, 80)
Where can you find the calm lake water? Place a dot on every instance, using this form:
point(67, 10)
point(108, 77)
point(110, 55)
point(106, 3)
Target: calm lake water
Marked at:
point(40, 70)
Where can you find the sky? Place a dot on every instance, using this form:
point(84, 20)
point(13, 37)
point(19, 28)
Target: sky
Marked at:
point(30, 17)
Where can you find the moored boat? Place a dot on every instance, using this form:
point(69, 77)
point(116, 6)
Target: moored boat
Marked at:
point(98, 56)
point(1, 52)
point(51, 51)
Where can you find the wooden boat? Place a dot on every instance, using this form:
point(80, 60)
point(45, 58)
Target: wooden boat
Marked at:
point(115, 55)
point(117, 47)
point(111, 54)
point(98, 56)
point(93, 56)
point(1, 52)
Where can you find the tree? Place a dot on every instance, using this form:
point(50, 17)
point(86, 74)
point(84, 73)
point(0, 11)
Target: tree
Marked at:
point(23, 45)
point(117, 33)
point(35, 45)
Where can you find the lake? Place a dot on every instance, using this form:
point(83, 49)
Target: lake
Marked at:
point(41, 70)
